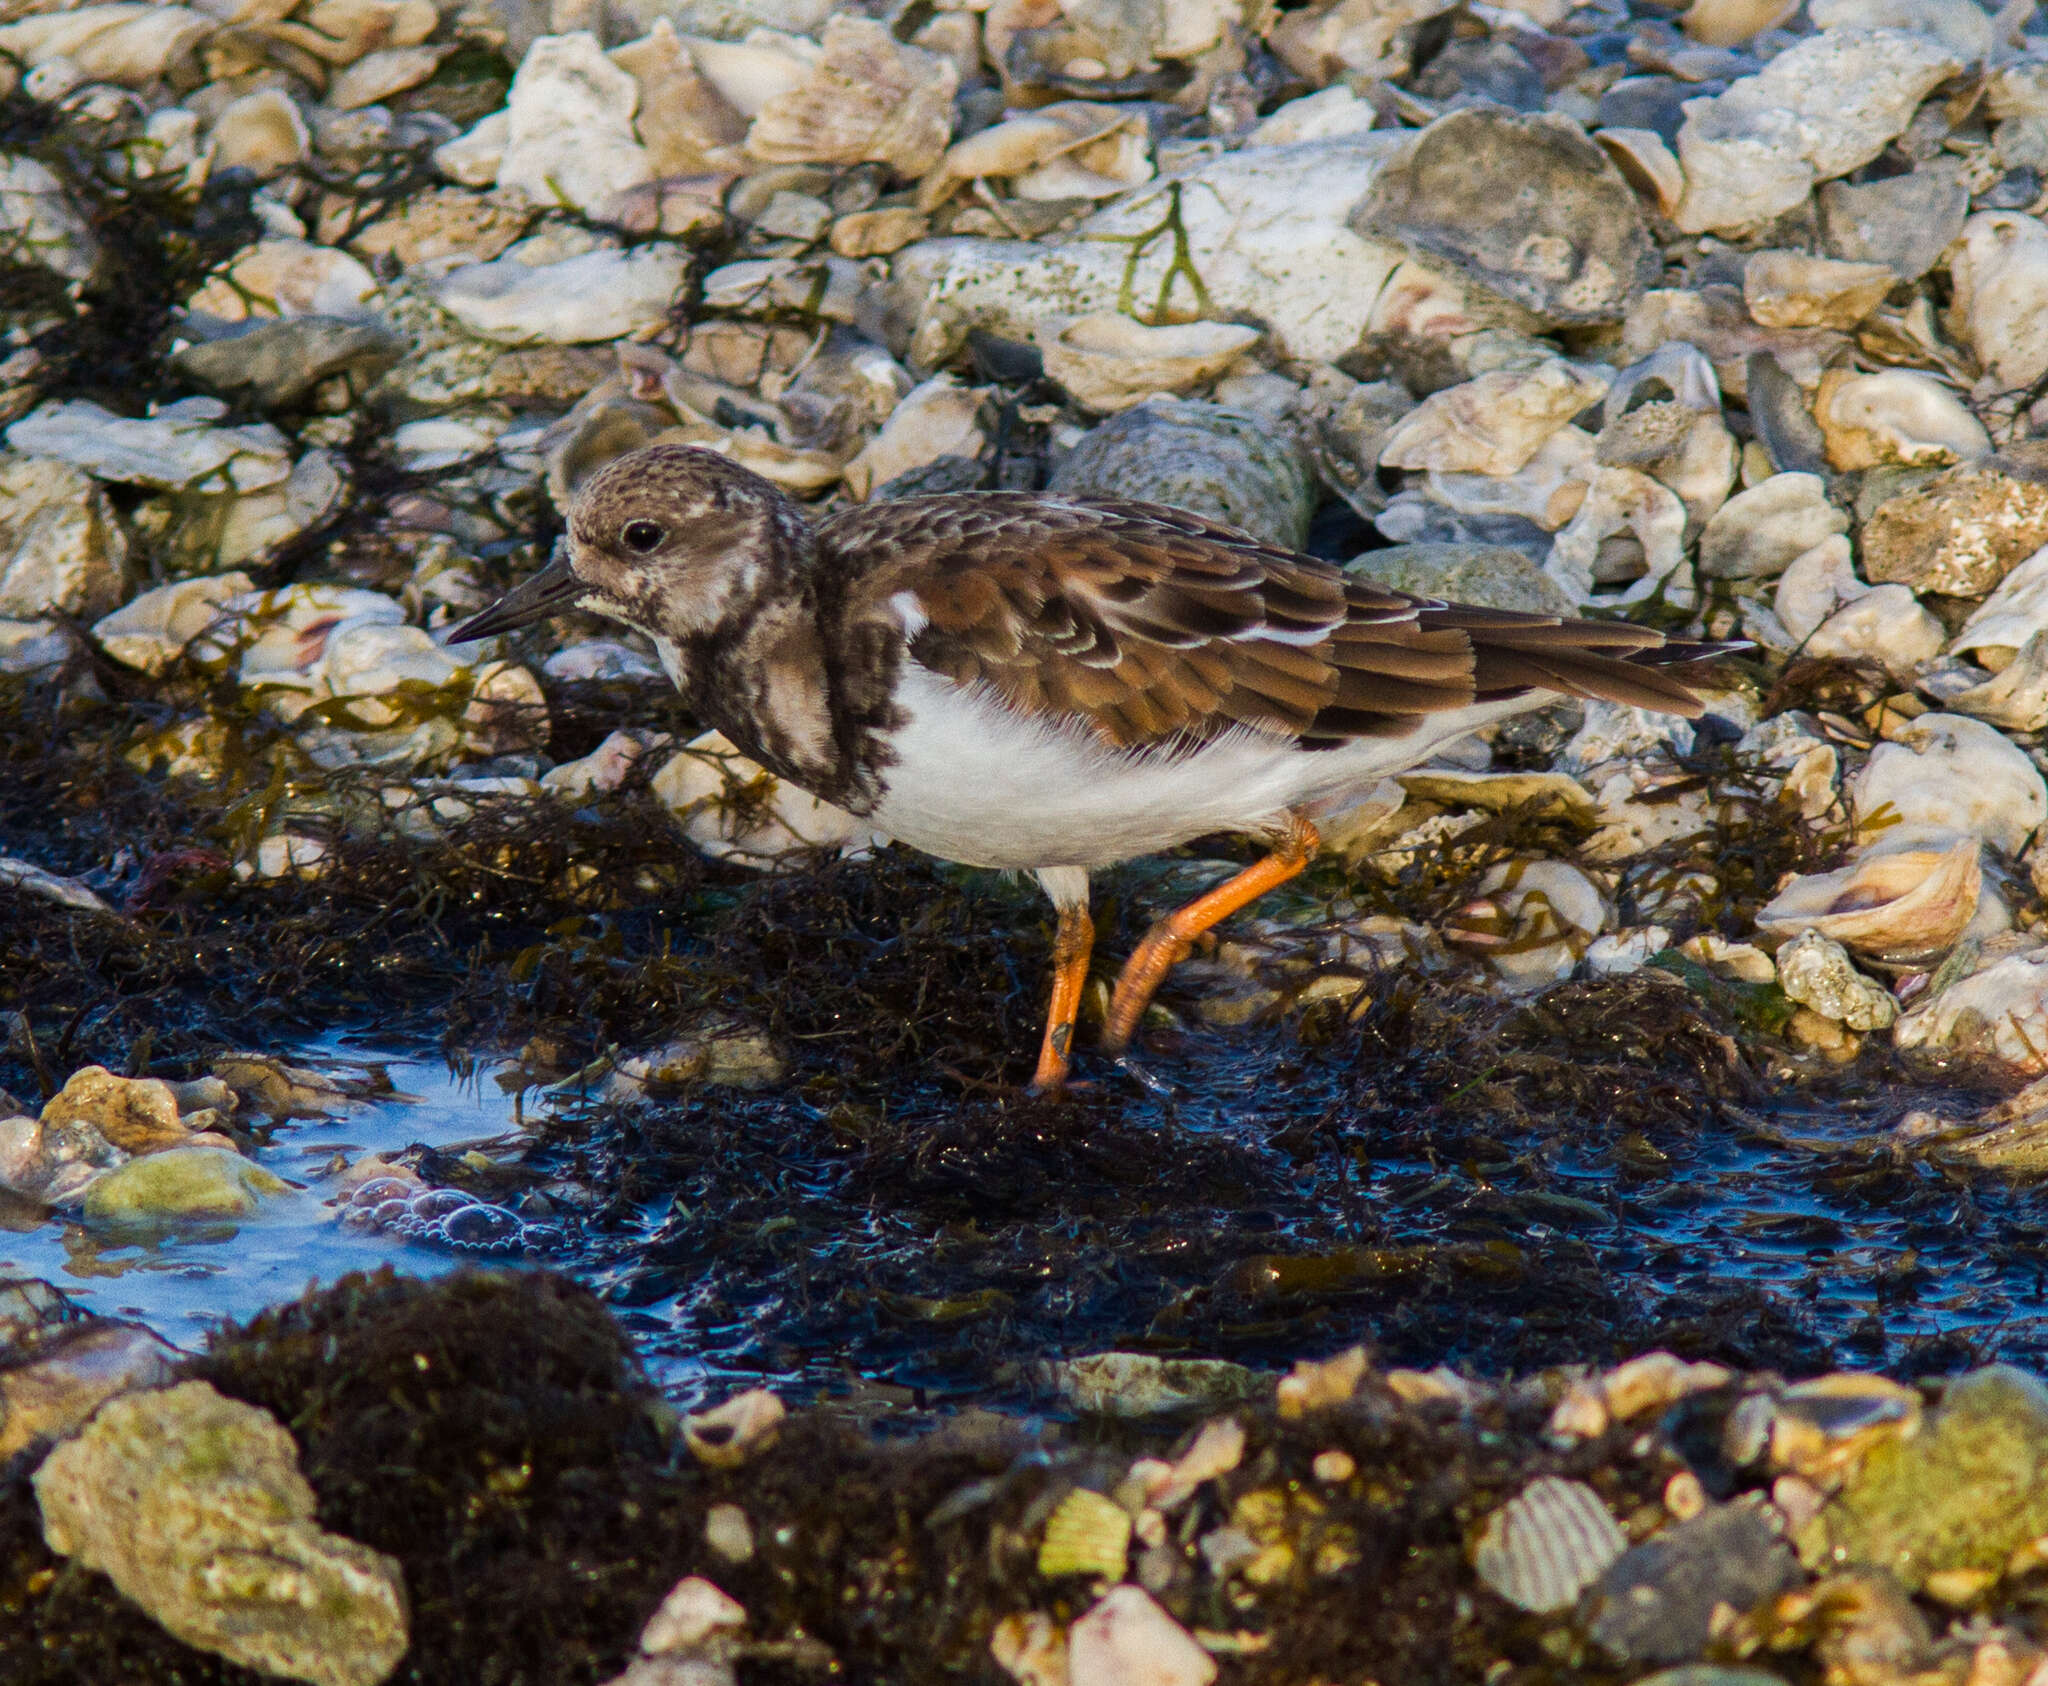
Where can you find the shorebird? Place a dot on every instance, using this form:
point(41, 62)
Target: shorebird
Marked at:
point(1047, 684)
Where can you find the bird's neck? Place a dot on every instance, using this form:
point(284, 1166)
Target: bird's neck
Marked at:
point(796, 675)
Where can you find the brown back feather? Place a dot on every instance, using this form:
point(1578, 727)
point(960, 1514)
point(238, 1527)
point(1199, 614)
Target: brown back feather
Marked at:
point(1153, 624)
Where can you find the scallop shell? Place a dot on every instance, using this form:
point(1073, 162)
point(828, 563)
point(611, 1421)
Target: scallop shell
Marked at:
point(1909, 906)
point(1108, 362)
point(1546, 1545)
point(1087, 1535)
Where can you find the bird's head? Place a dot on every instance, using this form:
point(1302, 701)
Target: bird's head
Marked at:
point(673, 540)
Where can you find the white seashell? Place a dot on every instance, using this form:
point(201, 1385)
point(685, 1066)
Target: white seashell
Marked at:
point(1816, 584)
point(356, 27)
point(570, 139)
point(1546, 1545)
point(1630, 824)
point(444, 441)
point(1619, 953)
point(1101, 168)
point(605, 768)
point(375, 77)
point(1548, 489)
point(1886, 625)
point(828, 287)
point(1364, 37)
point(1331, 112)
point(1128, 1640)
point(1616, 732)
point(256, 523)
point(1817, 110)
point(1815, 971)
point(601, 658)
point(1108, 362)
point(694, 1612)
point(715, 795)
point(1964, 27)
point(1493, 424)
point(1689, 450)
point(1896, 415)
point(1759, 532)
point(1622, 500)
point(287, 277)
point(1945, 776)
point(936, 420)
point(38, 222)
point(749, 73)
point(61, 549)
point(1683, 370)
point(1537, 918)
point(2009, 617)
point(472, 158)
point(171, 451)
point(2017, 698)
point(682, 120)
point(1646, 163)
point(132, 45)
point(1999, 1014)
point(2000, 276)
point(1109, 148)
point(1901, 906)
point(1268, 227)
point(151, 633)
point(278, 636)
point(1797, 290)
point(262, 133)
point(600, 296)
point(868, 98)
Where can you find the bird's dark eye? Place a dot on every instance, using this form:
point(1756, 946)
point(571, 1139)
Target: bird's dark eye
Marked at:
point(642, 536)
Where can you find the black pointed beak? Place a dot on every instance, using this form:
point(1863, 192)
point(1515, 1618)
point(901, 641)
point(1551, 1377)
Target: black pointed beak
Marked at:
point(549, 592)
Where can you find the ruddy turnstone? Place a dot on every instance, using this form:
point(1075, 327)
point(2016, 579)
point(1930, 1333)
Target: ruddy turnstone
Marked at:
point(1048, 684)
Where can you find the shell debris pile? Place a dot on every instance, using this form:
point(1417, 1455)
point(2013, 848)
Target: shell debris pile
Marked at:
point(1732, 320)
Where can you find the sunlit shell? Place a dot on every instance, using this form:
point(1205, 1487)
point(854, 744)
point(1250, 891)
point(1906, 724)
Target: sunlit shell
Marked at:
point(1087, 1535)
point(1217, 1450)
point(2009, 617)
point(1109, 362)
point(2000, 274)
point(287, 277)
point(1818, 1427)
point(1548, 489)
point(1690, 450)
point(151, 632)
point(1816, 972)
point(694, 1612)
point(1366, 37)
point(1945, 776)
point(2016, 697)
point(355, 27)
point(1797, 290)
point(1332, 111)
point(132, 45)
point(1031, 1648)
point(1887, 625)
point(1492, 424)
point(1624, 501)
point(1758, 532)
point(869, 98)
point(1533, 921)
point(682, 120)
point(262, 133)
point(749, 73)
point(1646, 163)
point(735, 810)
point(1546, 1545)
point(1906, 906)
point(1112, 144)
point(1127, 1637)
point(376, 76)
point(727, 1435)
point(1729, 23)
point(1998, 1014)
point(1815, 585)
point(571, 141)
point(937, 419)
point(1896, 415)
point(1315, 1385)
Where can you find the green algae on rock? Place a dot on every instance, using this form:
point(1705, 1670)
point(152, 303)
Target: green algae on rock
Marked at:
point(182, 1182)
point(194, 1505)
point(1963, 1493)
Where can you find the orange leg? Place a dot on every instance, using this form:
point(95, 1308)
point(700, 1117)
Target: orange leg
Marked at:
point(1071, 946)
point(1168, 942)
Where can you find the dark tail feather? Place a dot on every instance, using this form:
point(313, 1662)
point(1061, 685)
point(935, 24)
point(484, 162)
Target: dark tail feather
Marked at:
point(1637, 679)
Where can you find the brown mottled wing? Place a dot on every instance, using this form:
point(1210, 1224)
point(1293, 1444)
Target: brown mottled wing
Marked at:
point(1152, 623)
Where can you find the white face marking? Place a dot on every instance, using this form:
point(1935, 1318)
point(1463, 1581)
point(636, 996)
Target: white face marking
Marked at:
point(979, 782)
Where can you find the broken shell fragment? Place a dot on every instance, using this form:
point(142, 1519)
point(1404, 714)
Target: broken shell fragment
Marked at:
point(1797, 290)
point(2016, 697)
point(1758, 532)
point(1647, 164)
point(2001, 296)
point(1109, 362)
point(2006, 620)
point(727, 1435)
point(1105, 151)
point(1903, 907)
point(1494, 423)
point(1896, 415)
point(1886, 625)
point(868, 98)
point(1944, 777)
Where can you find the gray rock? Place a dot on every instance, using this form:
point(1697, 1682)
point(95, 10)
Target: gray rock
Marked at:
point(1963, 1493)
point(193, 1505)
point(1905, 221)
point(1656, 1603)
point(1201, 457)
point(1526, 206)
point(277, 363)
point(1490, 575)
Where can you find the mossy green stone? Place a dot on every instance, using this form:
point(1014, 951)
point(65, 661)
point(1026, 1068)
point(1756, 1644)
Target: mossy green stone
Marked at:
point(182, 1182)
point(1961, 1494)
point(1494, 576)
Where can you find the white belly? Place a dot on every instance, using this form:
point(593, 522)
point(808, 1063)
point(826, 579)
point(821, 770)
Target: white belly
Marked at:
point(981, 783)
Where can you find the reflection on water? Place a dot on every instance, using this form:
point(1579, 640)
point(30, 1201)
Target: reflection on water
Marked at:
point(185, 1279)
